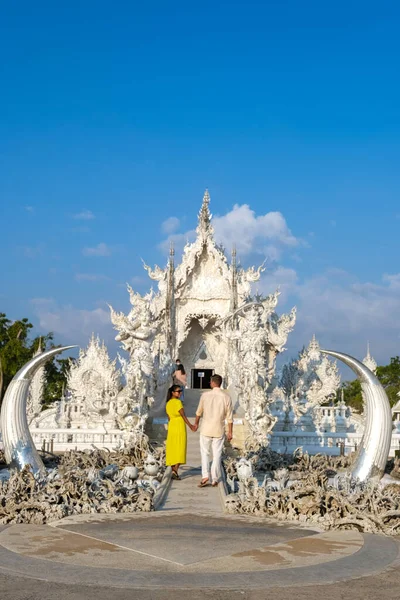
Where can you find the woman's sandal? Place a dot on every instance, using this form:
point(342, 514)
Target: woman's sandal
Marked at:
point(204, 483)
point(175, 475)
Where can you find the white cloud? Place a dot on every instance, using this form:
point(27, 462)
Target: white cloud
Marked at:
point(267, 235)
point(392, 280)
point(343, 312)
point(90, 277)
point(179, 240)
point(264, 234)
point(100, 250)
point(29, 209)
point(282, 277)
point(70, 324)
point(170, 225)
point(84, 215)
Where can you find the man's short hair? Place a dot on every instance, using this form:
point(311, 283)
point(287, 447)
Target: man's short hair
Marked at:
point(217, 379)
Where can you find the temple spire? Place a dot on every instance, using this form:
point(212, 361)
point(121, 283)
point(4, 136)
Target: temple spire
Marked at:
point(234, 293)
point(369, 360)
point(204, 228)
point(39, 349)
point(170, 302)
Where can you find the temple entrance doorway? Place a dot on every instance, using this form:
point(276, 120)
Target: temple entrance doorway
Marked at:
point(201, 378)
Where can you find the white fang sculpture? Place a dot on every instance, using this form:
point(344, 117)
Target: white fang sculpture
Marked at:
point(35, 392)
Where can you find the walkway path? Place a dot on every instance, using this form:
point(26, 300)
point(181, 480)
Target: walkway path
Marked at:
point(184, 495)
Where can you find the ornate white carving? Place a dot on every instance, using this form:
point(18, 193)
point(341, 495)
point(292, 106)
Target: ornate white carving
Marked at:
point(279, 328)
point(35, 393)
point(251, 362)
point(92, 386)
point(308, 382)
point(369, 361)
point(157, 274)
point(137, 332)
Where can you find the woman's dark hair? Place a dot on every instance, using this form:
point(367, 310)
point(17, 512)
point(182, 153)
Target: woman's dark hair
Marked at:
point(181, 368)
point(173, 388)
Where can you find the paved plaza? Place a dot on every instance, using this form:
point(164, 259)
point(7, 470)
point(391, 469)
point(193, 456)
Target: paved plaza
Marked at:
point(179, 554)
point(190, 548)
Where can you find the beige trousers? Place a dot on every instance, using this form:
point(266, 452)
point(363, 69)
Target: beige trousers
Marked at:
point(206, 445)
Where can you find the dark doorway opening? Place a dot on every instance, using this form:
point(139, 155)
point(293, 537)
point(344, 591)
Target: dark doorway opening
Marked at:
point(201, 378)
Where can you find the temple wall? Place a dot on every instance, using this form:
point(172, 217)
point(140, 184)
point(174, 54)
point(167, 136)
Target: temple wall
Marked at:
point(284, 442)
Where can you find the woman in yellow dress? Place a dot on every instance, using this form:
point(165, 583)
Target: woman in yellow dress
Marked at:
point(176, 436)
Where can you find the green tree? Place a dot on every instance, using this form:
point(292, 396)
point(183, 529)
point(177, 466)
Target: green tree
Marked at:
point(351, 394)
point(16, 348)
point(389, 376)
point(56, 372)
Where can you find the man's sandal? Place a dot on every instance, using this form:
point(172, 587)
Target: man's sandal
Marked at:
point(204, 483)
point(214, 483)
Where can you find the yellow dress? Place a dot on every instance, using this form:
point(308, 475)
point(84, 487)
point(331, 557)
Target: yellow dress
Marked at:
point(176, 436)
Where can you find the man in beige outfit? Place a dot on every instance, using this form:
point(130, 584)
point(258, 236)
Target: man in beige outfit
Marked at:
point(214, 407)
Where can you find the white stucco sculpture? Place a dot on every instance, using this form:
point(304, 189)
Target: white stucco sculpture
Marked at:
point(93, 384)
point(308, 382)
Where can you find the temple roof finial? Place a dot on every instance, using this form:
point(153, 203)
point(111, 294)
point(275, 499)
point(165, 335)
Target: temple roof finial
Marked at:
point(171, 256)
point(39, 349)
point(369, 360)
point(234, 254)
point(204, 228)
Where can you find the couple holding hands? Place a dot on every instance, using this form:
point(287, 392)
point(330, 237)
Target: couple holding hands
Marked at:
point(214, 408)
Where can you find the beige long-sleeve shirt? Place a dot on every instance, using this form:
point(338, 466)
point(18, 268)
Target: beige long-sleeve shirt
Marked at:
point(215, 406)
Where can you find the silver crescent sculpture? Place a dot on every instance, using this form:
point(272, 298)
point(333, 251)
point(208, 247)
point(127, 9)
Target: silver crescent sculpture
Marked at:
point(19, 448)
point(373, 451)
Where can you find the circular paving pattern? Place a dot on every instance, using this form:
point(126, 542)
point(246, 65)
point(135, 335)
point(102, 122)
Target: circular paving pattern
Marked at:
point(189, 551)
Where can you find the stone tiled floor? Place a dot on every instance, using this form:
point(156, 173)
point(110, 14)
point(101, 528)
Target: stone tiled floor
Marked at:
point(188, 550)
point(188, 547)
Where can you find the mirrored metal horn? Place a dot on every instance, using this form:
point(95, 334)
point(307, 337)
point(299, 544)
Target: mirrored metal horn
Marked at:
point(373, 451)
point(19, 448)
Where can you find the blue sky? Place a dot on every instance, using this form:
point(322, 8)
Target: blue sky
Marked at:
point(115, 118)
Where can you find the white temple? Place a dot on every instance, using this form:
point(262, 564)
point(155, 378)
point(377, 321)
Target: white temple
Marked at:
point(91, 401)
point(204, 312)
